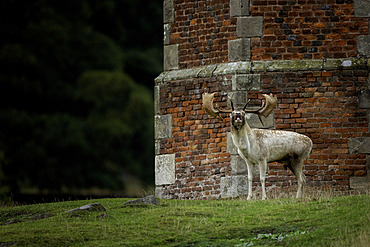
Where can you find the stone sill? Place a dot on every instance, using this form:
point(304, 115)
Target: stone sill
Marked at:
point(249, 67)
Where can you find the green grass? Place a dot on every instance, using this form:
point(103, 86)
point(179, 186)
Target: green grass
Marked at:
point(326, 221)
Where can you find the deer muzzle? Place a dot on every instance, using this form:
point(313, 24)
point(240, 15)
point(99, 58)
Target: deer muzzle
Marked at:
point(237, 119)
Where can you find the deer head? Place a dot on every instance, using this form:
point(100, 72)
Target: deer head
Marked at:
point(238, 118)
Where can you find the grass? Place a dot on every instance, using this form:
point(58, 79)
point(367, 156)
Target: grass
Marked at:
point(320, 221)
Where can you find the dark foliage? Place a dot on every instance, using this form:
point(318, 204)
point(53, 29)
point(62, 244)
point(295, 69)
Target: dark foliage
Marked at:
point(75, 93)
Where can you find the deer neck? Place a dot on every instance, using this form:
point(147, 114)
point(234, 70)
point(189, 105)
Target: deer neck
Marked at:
point(244, 138)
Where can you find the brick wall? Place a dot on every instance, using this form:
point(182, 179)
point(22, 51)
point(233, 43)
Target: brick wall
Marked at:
point(292, 29)
point(307, 29)
point(324, 106)
point(199, 143)
point(202, 30)
point(314, 55)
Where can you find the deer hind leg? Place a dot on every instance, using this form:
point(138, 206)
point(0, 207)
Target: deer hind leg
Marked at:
point(296, 166)
point(263, 168)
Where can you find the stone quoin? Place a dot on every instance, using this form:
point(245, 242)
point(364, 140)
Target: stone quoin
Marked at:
point(314, 55)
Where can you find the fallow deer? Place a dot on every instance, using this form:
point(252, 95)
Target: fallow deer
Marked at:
point(261, 146)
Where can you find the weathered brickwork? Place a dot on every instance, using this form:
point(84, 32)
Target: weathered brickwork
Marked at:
point(292, 29)
point(202, 30)
point(307, 29)
point(323, 105)
point(199, 143)
point(313, 55)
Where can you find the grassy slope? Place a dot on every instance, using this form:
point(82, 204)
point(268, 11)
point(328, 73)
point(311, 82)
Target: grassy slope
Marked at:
point(330, 221)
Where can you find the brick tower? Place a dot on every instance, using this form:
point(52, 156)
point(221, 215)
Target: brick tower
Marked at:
point(313, 54)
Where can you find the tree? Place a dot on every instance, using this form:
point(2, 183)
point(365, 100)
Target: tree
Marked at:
point(70, 115)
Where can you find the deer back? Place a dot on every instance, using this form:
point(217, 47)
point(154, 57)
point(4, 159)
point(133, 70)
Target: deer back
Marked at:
point(278, 145)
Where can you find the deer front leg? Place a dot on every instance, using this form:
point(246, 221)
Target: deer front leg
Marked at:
point(250, 179)
point(263, 168)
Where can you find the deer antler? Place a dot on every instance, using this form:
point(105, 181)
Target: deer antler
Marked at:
point(271, 102)
point(208, 105)
point(266, 108)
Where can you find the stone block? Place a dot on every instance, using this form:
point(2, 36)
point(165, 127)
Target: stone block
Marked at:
point(248, 82)
point(206, 71)
point(359, 183)
point(345, 63)
point(363, 44)
point(182, 74)
point(163, 126)
point(238, 165)
point(362, 8)
point(170, 57)
point(287, 65)
point(239, 8)
point(239, 98)
point(168, 11)
point(232, 68)
point(247, 27)
point(165, 169)
point(160, 78)
point(234, 186)
point(157, 147)
point(360, 145)
point(239, 49)
point(166, 34)
point(364, 99)
point(254, 122)
point(230, 147)
point(159, 192)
